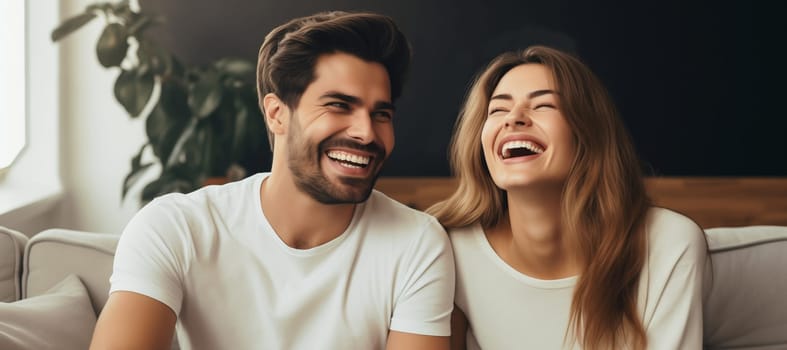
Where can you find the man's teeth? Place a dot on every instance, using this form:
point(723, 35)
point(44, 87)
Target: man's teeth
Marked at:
point(521, 144)
point(349, 159)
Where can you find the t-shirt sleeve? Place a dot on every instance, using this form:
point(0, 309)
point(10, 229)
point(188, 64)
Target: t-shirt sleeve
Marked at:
point(151, 254)
point(676, 319)
point(425, 302)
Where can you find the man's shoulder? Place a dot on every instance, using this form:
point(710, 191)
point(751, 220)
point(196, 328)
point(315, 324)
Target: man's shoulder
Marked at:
point(379, 204)
point(211, 195)
point(201, 205)
point(388, 216)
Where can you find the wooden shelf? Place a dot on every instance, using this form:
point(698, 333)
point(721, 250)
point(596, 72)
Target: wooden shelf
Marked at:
point(710, 201)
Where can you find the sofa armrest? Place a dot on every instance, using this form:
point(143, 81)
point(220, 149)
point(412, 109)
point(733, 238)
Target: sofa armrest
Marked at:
point(53, 254)
point(12, 245)
point(744, 303)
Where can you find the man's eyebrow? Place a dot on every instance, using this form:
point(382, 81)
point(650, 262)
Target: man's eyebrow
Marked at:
point(531, 95)
point(340, 96)
point(385, 105)
point(357, 101)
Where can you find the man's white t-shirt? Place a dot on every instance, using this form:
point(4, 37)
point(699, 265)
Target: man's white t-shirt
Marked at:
point(213, 258)
point(506, 309)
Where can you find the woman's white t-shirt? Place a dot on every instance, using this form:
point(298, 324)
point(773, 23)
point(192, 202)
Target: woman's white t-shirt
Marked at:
point(506, 309)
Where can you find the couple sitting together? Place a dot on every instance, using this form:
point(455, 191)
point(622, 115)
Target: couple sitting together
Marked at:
point(549, 242)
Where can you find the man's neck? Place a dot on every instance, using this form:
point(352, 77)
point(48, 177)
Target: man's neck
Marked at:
point(299, 220)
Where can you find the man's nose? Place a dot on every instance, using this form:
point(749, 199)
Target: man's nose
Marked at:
point(360, 128)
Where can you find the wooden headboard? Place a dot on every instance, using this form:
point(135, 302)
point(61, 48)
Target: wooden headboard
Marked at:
point(710, 201)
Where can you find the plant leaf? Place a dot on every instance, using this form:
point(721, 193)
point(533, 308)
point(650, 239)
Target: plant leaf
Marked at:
point(72, 24)
point(168, 182)
point(241, 128)
point(167, 123)
point(137, 169)
point(154, 57)
point(213, 152)
point(174, 98)
point(100, 6)
point(133, 90)
point(190, 148)
point(152, 190)
point(120, 5)
point(140, 24)
point(122, 11)
point(112, 45)
point(174, 67)
point(236, 67)
point(182, 139)
point(205, 94)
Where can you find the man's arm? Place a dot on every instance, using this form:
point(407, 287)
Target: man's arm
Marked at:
point(410, 341)
point(133, 321)
point(422, 314)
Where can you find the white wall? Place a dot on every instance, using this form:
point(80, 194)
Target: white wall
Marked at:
point(32, 185)
point(98, 138)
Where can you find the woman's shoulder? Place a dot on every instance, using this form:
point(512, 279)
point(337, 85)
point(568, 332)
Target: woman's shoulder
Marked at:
point(465, 231)
point(465, 235)
point(673, 231)
point(663, 219)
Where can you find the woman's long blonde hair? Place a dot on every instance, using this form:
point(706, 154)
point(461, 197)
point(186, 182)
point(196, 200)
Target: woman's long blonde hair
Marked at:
point(604, 203)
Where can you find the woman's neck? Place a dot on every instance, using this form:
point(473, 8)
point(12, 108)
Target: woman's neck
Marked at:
point(531, 239)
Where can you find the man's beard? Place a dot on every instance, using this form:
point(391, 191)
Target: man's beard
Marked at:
point(304, 160)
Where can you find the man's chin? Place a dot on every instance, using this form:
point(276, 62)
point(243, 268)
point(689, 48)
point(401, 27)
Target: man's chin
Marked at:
point(355, 190)
point(338, 190)
point(346, 197)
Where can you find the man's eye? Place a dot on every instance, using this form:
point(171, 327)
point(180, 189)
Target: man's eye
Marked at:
point(337, 104)
point(382, 116)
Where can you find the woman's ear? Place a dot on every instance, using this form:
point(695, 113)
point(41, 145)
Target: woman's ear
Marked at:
point(276, 113)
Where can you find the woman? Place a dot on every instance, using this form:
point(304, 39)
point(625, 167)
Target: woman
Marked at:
point(556, 242)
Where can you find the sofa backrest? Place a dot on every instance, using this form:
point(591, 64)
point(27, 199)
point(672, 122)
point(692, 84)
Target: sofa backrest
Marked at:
point(744, 305)
point(53, 254)
point(745, 296)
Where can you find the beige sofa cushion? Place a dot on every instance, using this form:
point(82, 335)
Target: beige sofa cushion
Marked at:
point(61, 318)
point(745, 301)
point(53, 254)
point(12, 245)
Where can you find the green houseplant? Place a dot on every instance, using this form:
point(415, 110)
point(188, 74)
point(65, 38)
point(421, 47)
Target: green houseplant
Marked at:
point(204, 123)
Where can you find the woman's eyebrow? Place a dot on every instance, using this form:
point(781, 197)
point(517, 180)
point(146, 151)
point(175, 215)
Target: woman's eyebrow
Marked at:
point(531, 95)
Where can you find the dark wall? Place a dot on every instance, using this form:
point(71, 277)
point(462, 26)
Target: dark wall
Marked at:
point(700, 87)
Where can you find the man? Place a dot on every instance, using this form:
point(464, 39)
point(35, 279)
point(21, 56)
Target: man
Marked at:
point(307, 256)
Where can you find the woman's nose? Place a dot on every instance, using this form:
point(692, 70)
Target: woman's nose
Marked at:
point(518, 117)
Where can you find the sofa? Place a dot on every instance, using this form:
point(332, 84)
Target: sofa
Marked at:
point(54, 284)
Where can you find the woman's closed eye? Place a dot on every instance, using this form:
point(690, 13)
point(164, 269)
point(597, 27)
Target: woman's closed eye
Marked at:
point(497, 111)
point(543, 106)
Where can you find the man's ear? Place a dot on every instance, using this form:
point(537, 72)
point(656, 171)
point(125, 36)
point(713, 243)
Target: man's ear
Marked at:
point(277, 113)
